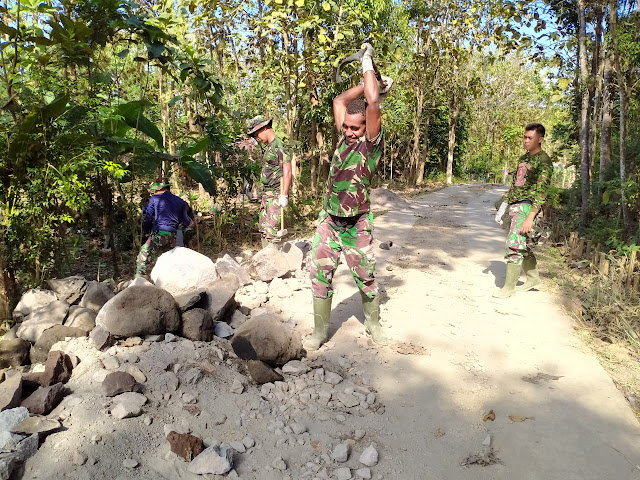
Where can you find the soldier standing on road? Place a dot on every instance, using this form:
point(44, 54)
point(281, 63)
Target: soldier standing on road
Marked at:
point(524, 200)
point(277, 167)
point(345, 224)
point(161, 217)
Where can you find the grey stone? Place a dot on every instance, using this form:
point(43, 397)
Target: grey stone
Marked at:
point(359, 434)
point(69, 289)
point(130, 463)
point(228, 266)
point(139, 311)
point(11, 392)
point(248, 442)
point(109, 362)
point(14, 353)
point(298, 428)
point(280, 288)
point(343, 473)
point(136, 373)
point(213, 461)
point(269, 263)
point(51, 336)
point(188, 300)
point(267, 339)
point(80, 317)
point(295, 367)
point(96, 295)
point(36, 424)
point(348, 400)
point(181, 271)
point(154, 338)
point(236, 387)
point(487, 441)
point(101, 338)
point(237, 319)
point(293, 254)
point(332, 378)
point(220, 299)
point(197, 325)
point(279, 464)
point(340, 453)
point(369, 457)
point(140, 282)
point(170, 337)
point(32, 301)
point(116, 383)
point(193, 376)
point(238, 447)
point(223, 330)
point(53, 313)
point(262, 373)
point(12, 417)
point(128, 405)
point(58, 369)
point(363, 473)
point(11, 333)
point(45, 399)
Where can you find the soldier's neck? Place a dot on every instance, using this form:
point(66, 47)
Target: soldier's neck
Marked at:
point(534, 151)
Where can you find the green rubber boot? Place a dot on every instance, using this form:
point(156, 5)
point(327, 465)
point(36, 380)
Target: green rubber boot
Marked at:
point(321, 315)
point(530, 267)
point(513, 272)
point(371, 308)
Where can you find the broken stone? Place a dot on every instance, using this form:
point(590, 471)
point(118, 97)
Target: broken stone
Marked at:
point(129, 405)
point(228, 266)
point(212, 461)
point(363, 473)
point(237, 319)
point(293, 254)
point(182, 271)
point(348, 400)
point(130, 463)
point(487, 441)
point(58, 369)
point(69, 289)
point(197, 325)
point(223, 330)
point(132, 342)
point(279, 464)
point(31, 301)
point(248, 442)
point(12, 417)
point(80, 317)
point(237, 387)
point(78, 458)
point(188, 301)
point(369, 457)
point(119, 382)
point(220, 299)
point(343, 473)
point(101, 338)
point(96, 295)
point(45, 399)
point(295, 367)
point(193, 376)
point(14, 353)
point(45, 317)
point(136, 373)
point(185, 445)
point(110, 362)
point(189, 397)
point(332, 378)
point(262, 373)
point(269, 263)
point(340, 453)
point(36, 424)
point(192, 409)
point(11, 392)
point(153, 309)
point(267, 339)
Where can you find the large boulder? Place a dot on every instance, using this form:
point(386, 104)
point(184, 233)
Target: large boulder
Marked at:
point(228, 267)
point(269, 263)
point(267, 339)
point(96, 295)
point(220, 298)
point(14, 353)
point(52, 335)
point(45, 317)
point(197, 325)
point(262, 373)
point(182, 270)
point(32, 301)
point(69, 289)
point(294, 255)
point(139, 311)
point(57, 369)
point(80, 317)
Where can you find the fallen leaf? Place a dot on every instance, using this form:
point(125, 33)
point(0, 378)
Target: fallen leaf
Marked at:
point(489, 416)
point(519, 418)
point(438, 432)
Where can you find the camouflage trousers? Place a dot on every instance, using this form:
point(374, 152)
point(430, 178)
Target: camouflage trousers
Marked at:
point(158, 242)
point(269, 221)
point(355, 239)
point(518, 245)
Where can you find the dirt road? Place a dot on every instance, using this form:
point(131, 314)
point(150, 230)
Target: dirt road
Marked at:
point(517, 357)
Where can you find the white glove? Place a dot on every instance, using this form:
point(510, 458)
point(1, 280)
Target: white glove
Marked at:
point(283, 200)
point(501, 210)
point(388, 81)
point(367, 58)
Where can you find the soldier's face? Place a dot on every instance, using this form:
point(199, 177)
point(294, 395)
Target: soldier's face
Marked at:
point(353, 127)
point(531, 140)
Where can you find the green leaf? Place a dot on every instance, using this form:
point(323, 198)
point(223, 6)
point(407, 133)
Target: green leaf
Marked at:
point(131, 113)
point(199, 173)
point(175, 100)
point(299, 3)
point(123, 53)
point(326, 6)
point(196, 147)
point(155, 49)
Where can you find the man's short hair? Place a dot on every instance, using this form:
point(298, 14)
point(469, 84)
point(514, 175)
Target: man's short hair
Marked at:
point(357, 106)
point(538, 127)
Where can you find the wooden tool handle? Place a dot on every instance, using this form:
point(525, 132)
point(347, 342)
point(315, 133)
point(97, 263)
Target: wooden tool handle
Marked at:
point(281, 208)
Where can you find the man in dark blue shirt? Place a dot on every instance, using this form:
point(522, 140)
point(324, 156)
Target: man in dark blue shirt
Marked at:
point(161, 217)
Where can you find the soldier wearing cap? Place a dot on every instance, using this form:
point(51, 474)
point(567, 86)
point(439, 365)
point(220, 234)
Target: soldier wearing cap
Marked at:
point(274, 179)
point(161, 218)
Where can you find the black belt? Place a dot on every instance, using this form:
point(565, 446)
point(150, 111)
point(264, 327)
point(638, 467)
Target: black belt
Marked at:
point(345, 222)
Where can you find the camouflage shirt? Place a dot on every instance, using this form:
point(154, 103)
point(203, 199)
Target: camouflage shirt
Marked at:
point(532, 180)
point(352, 169)
point(275, 156)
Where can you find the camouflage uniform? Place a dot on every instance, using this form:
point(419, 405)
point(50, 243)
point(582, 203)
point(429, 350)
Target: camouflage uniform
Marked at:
point(275, 156)
point(528, 191)
point(158, 242)
point(346, 223)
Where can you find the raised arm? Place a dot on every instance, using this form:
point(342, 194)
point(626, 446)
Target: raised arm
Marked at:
point(341, 101)
point(372, 94)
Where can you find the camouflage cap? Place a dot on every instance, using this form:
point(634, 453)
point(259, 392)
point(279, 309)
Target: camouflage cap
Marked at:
point(256, 123)
point(160, 183)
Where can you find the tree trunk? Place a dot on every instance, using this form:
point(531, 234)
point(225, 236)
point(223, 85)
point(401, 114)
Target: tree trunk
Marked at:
point(6, 290)
point(623, 96)
point(585, 163)
point(415, 147)
point(453, 124)
point(597, 71)
point(605, 132)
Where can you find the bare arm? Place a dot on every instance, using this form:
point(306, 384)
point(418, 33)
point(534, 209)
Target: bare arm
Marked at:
point(372, 94)
point(286, 178)
point(345, 98)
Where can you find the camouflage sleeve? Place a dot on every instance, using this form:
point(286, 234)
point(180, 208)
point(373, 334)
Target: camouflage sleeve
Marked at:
point(283, 156)
point(509, 196)
point(542, 185)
